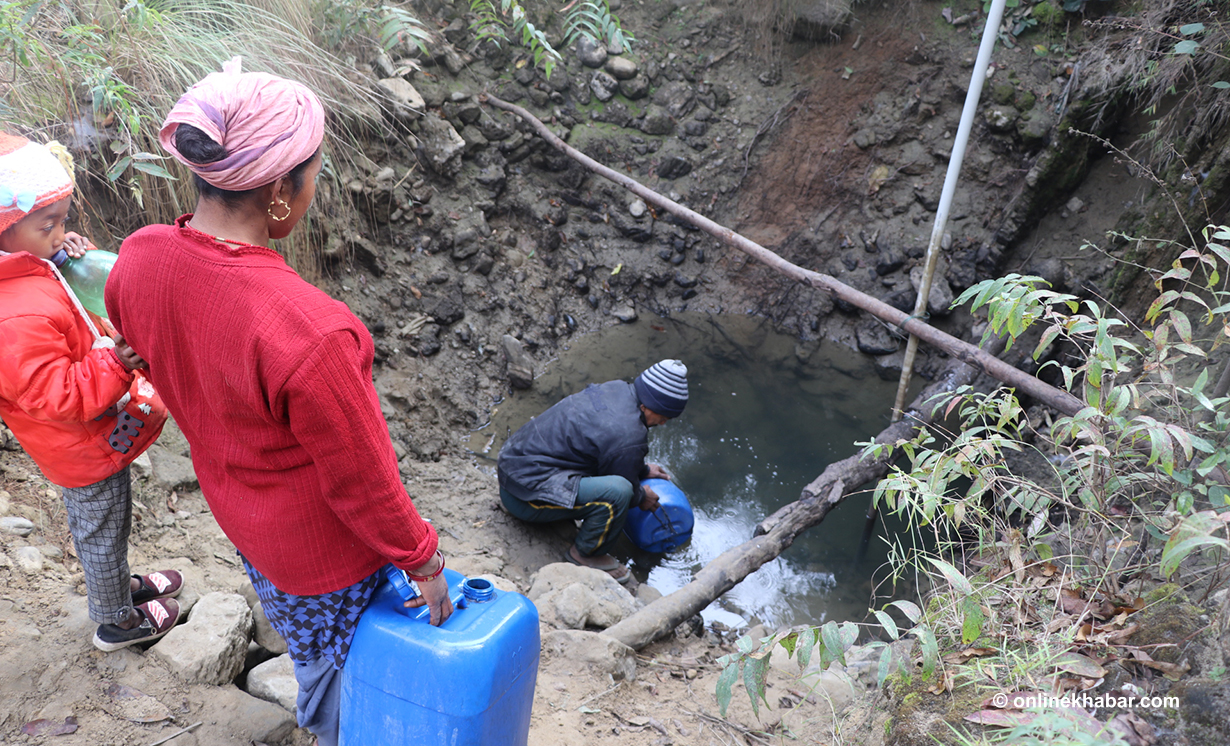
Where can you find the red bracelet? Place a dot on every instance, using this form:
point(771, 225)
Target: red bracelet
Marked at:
point(433, 576)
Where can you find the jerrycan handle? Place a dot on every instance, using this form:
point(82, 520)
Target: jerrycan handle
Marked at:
point(476, 591)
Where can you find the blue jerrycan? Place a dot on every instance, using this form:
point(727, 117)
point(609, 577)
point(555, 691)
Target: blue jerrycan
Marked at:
point(665, 528)
point(468, 682)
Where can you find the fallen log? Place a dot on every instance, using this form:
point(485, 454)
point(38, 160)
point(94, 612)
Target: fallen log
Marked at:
point(964, 351)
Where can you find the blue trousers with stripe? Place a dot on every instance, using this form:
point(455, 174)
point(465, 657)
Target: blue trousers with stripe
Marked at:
point(602, 506)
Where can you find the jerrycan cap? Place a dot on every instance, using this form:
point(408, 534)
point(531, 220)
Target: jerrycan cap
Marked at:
point(478, 590)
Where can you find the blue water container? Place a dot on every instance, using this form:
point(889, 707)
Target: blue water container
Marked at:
point(468, 682)
point(665, 528)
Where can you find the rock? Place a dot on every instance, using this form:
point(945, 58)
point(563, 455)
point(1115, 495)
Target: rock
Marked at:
point(29, 559)
point(657, 122)
point(625, 313)
point(210, 647)
point(520, 364)
point(441, 144)
point(1075, 205)
point(914, 159)
point(622, 68)
point(647, 594)
point(673, 167)
point(613, 113)
point(274, 681)
point(172, 471)
point(1000, 118)
point(575, 597)
point(244, 718)
point(874, 339)
point(677, 98)
point(402, 98)
point(264, 633)
point(865, 138)
point(16, 525)
point(821, 20)
point(634, 88)
point(591, 53)
point(604, 86)
point(888, 367)
point(940, 297)
point(637, 208)
point(141, 466)
point(889, 261)
point(1035, 125)
point(448, 309)
point(574, 651)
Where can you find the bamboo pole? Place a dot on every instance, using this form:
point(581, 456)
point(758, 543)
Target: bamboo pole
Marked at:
point(977, 78)
point(963, 351)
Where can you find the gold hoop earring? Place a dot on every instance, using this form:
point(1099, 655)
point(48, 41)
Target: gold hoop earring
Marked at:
point(278, 203)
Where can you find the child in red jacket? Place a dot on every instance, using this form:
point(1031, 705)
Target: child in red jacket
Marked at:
point(69, 392)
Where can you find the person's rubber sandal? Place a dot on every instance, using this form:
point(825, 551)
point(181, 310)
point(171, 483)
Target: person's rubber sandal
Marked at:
point(158, 617)
point(609, 570)
point(161, 584)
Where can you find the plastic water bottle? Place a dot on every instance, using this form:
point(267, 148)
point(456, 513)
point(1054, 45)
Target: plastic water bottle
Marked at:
point(665, 528)
point(468, 682)
point(87, 276)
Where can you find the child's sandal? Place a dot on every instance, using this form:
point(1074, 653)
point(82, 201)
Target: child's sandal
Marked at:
point(161, 584)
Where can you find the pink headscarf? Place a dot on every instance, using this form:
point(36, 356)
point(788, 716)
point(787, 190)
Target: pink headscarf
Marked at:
point(267, 125)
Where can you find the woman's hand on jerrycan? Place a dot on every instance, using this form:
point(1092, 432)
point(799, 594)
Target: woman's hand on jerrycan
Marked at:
point(434, 592)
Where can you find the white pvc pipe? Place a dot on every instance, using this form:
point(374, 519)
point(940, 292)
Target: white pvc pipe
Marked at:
point(979, 76)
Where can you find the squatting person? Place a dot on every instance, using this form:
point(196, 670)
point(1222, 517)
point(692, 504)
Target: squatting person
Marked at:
point(584, 458)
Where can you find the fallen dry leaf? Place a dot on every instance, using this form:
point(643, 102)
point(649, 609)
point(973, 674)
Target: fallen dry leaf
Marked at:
point(1172, 671)
point(1079, 665)
point(944, 684)
point(1134, 729)
point(1002, 718)
point(50, 727)
point(961, 656)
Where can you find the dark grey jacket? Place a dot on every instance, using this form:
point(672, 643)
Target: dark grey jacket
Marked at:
point(597, 432)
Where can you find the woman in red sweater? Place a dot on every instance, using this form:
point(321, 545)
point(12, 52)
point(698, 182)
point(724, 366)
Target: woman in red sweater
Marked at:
point(271, 380)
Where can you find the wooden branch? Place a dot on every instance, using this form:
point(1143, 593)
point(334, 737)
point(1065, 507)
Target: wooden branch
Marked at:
point(965, 352)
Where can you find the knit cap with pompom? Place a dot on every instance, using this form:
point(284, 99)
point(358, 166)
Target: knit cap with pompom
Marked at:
point(32, 176)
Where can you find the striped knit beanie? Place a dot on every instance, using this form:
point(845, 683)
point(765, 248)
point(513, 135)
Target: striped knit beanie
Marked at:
point(32, 176)
point(664, 387)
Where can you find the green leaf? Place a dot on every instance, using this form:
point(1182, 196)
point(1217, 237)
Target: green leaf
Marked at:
point(910, 609)
point(888, 624)
point(807, 641)
point(755, 672)
point(832, 643)
point(954, 576)
point(117, 169)
point(1172, 556)
point(1191, 28)
point(971, 625)
point(153, 169)
point(886, 664)
point(1187, 46)
point(930, 650)
point(788, 642)
point(724, 684)
point(1221, 85)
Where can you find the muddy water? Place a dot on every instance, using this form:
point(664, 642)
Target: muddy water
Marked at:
point(765, 416)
